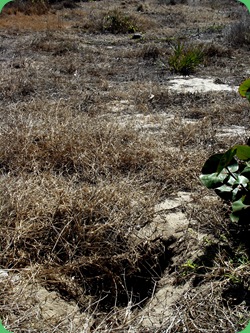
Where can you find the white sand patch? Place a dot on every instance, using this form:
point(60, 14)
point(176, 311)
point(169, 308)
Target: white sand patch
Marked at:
point(233, 130)
point(195, 84)
point(3, 274)
point(169, 219)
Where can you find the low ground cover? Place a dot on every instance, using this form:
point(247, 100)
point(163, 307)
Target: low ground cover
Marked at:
point(102, 210)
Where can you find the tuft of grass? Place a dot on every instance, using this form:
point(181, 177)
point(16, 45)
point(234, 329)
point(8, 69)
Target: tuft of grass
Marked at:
point(37, 7)
point(150, 52)
point(238, 33)
point(214, 50)
point(117, 22)
point(27, 7)
point(56, 48)
point(185, 58)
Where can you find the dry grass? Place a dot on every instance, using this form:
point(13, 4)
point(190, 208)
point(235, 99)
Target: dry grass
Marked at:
point(91, 140)
point(20, 21)
point(27, 7)
point(203, 311)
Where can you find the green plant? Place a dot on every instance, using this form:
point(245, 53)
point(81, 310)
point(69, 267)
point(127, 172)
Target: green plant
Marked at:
point(189, 267)
point(229, 173)
point(185, 58)
point(189, 264)
point(118, 22)
point(215, 28)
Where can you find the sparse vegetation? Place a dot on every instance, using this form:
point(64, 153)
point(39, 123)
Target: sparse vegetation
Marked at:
point(238, 33)
point(151, 52)
point(228, 174)
point(105, 226)
point(118, 22)
point(185, 58)
point(28, 7)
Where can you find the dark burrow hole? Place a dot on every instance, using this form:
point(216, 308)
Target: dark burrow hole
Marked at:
point(239, 233)
point(136, 283)
point(236, 294)
point(115, 282)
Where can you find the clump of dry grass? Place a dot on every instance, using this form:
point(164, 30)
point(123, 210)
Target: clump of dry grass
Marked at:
point(21, 88)
point(21, 22)
point(237, 34)
point(195, 308)
point(58, 48)
point(82, 232)
point(73, 145)
point(116, 21)
point(37, 7)
point(27, 7)
point(215, 50)
point(76, 190)
point(76, 205)
point(150, 52)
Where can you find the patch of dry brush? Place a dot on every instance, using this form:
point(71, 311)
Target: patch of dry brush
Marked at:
point(79, 177)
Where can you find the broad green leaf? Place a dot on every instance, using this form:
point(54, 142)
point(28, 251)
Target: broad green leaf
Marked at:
point(239, 205)
point(243, 180)
point(226, 159)
point(235, 192)
point(224, 188)
point(233, 180)
point(246, 169)
point(211, 164)
point(215, 161)
point(233, 167)
point(243, 152)
point(213, 180)
point(225, 192)
point(234, 217)
point(238, 180)
point(244, 88)
point(247, 329)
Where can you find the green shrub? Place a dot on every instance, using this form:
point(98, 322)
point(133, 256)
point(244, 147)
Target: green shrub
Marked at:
point(118, 22)
point(229, 173)
point(185, 58)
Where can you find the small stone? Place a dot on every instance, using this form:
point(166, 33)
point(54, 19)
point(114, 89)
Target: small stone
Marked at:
point(137, 35)
point(3, 274)
point(218, 81)
point(151, 97)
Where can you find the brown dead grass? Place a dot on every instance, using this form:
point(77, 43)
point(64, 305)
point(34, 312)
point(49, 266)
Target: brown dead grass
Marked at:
point(197, 310)
point(21, 22)
point(91, 140)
